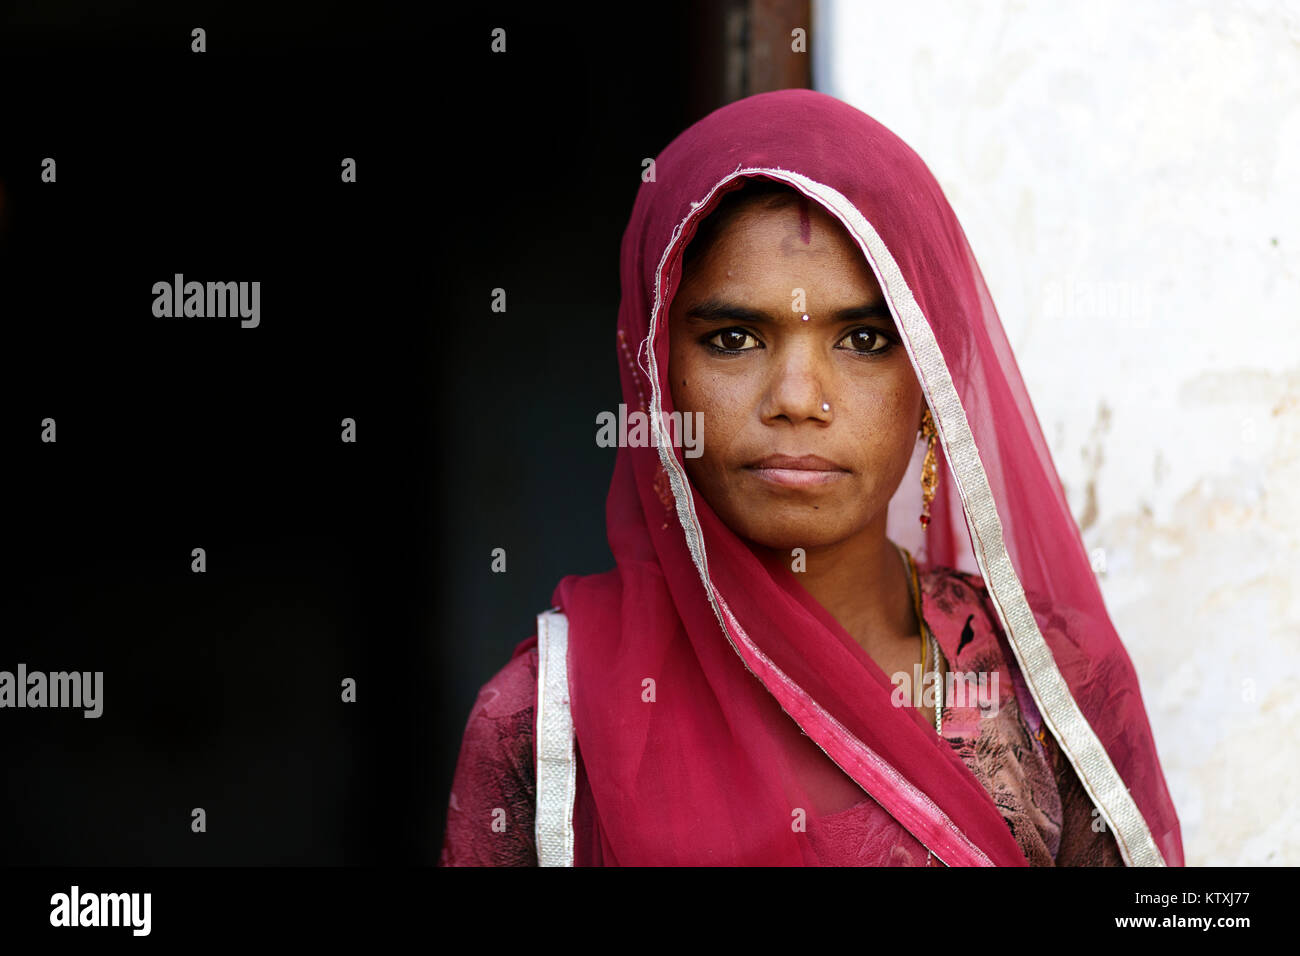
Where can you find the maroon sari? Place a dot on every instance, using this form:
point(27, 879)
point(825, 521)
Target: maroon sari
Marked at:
point(772, 738)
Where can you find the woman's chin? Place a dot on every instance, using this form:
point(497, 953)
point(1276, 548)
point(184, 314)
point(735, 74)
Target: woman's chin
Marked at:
point(785, 533)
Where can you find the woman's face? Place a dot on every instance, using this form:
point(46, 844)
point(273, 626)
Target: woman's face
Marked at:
point(741, 355)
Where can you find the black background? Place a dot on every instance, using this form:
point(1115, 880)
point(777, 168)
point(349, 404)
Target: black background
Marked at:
point(325, 560)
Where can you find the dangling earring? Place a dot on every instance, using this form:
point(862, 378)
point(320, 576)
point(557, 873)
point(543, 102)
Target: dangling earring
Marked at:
point(929, 470)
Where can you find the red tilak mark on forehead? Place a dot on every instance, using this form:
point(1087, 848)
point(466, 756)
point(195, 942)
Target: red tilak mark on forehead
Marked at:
point(805, 224)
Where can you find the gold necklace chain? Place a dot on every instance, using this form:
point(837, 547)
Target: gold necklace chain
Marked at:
point(914, 585)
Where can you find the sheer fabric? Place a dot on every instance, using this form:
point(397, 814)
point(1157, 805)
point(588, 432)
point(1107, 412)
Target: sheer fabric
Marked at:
point(769, 723)
point(998, 735)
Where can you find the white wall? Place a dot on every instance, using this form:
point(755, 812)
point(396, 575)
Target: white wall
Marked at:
point(1128, 174)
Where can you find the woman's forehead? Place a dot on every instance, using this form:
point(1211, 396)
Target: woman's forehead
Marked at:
point(791, 245)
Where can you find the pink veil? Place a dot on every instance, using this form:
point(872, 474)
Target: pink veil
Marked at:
point(765, 711)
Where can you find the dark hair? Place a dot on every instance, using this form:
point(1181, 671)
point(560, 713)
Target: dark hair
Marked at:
point(772, 193)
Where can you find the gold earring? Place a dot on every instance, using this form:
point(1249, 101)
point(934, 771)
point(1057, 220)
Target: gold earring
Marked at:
point(929, 470)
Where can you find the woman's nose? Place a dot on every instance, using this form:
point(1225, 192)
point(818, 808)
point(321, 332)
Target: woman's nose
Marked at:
point(798, 389)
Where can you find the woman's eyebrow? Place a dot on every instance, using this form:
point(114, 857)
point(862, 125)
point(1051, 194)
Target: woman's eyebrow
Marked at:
point(719, 310)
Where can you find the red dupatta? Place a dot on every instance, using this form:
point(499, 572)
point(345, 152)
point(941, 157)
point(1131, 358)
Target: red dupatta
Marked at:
point(769, 723)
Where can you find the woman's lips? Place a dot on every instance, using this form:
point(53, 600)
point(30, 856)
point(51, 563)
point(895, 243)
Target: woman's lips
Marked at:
point(798, 471)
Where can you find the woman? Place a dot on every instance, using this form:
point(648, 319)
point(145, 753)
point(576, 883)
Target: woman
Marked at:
point(770, 676)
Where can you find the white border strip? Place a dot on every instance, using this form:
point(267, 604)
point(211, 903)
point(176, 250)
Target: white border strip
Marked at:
point(556, 767)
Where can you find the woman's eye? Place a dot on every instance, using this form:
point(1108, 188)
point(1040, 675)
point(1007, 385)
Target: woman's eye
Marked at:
point(732, 340)
point(863, 340)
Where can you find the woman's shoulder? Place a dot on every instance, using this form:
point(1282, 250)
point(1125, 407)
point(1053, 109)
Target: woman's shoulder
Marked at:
point(501, 722)
point(946, 585)
point(1065, 819)
point(513, 688)
point(949, 586)
point(943, 572)
point(490, 811)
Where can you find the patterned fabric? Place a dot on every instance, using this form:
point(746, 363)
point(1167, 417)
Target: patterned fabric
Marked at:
point(1006, 746)
point(494, 793)
point(997, 733)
